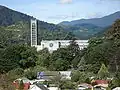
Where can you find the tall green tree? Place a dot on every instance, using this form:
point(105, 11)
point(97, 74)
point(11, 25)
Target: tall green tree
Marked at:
point(43, 58)
point(115, 82)
point(103, 72)
point(21, 85)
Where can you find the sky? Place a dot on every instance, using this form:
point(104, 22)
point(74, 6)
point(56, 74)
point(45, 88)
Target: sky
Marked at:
point(56, 11)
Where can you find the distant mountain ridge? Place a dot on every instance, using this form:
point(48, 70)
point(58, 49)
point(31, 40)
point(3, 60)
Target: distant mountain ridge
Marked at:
point(82, 29)
point(101, 22)
point(19, 24)
point(9, 17)
point(87, 28)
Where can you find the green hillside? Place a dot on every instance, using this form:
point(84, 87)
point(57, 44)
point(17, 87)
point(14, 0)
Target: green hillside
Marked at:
point(101, 22)
point(19, 24)
point(87, 28)
point(105, 50)
point(21, 32)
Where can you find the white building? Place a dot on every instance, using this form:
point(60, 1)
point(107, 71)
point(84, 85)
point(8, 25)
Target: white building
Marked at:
point(33, 32)
point(52, 45)
point(38, 86)
point(65, 75)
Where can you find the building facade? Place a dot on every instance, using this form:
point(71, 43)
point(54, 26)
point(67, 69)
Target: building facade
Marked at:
point(52, 45)
point(33, 32)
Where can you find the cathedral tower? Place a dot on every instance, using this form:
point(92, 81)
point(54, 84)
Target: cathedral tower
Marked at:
point(33, 32)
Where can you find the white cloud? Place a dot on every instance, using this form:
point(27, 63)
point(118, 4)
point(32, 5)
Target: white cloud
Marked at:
point(65, 1)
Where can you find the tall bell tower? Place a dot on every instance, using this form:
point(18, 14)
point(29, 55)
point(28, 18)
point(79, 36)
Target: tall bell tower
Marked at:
point(33, 32)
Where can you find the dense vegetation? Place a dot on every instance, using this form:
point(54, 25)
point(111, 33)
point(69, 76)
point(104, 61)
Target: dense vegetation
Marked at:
point(87, 28)
point(82, 30)
point(100, 60)
point(101, 22)
point(19, 25)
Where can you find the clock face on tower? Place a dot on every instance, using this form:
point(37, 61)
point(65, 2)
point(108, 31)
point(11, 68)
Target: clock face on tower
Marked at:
point(51, 44)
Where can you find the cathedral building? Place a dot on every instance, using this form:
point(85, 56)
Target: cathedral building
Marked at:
point(52, 45)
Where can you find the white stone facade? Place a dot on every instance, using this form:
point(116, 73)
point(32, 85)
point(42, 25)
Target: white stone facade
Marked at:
point(33, 32)
point(53, 45)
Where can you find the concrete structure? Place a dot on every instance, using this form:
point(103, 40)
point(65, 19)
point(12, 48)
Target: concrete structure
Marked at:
point(52, 45)
point(38, 86)
point(47, 75)
point(117, 88)
point(85, 86)
point(65, 75)
point(33, 32)
point(53, 88)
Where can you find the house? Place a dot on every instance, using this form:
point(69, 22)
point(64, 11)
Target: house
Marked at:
point(65, 74)
point(84, 86)
point(26, 83)
point(46, 76)
point(38, 86)
point(117, 88)
point(53, 45)
point(101, 84)
point(53, 88)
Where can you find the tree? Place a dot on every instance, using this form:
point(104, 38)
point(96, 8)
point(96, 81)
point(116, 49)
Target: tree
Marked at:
point(28, 57)
point(61, 65)
point(60, 60)
point(115, 81)
point(103, 72)
point(75, 76)
point(57, 80)
point(114, 61)
point(30, 73)
point(16, 56)
point(21, 85)
point(15, 73)
point(99, 51)
point(64, 58)
point(67, 85)
point(38, 68)
point(43, 58)
point(80, 77)
point(76, 61)
point(6, 82)
point(114, 32)
point(6, 37)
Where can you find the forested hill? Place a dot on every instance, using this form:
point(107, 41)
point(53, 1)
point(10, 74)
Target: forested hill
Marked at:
point(10, 17)
point(105, 49)
point(101, 22)
point(87, 28)
point(19, 24)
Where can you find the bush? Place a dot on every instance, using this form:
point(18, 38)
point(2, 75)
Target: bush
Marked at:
point(15, 73)
point(67, 85)
point(39, 69)
point(21, 85)
point(6, 82)
point(81, 77)
point(30, 74)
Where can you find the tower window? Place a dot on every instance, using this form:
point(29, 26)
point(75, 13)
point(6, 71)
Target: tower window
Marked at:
point(51, 44)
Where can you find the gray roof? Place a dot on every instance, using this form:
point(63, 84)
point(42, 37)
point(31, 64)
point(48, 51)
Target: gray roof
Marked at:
point(41, 86)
